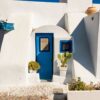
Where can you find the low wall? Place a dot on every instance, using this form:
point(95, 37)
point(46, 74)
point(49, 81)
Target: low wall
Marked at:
point(83, 95)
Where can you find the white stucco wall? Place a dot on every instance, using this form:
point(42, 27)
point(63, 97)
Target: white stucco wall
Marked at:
point(92, 28)
point(16, 48)
point(43, 13)
point(81, 95)
point(14, 51)
point(59, 34)
point(81, 57)
point(78, 5)
point(72, 20)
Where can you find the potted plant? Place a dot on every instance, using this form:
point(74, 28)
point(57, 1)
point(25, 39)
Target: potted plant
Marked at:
point(79, 89)
point(33, 66)
point(64, 58)
point(33, 76)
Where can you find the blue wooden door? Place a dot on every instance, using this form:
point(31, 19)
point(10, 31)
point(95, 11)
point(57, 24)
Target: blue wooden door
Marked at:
point(44, 54)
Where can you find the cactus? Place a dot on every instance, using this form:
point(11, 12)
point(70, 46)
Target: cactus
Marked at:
point(64, 58)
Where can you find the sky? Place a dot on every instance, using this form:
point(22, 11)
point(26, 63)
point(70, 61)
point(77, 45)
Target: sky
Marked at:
point(94, 1)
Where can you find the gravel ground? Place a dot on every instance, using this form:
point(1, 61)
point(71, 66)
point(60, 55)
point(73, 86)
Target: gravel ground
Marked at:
point(34, 92)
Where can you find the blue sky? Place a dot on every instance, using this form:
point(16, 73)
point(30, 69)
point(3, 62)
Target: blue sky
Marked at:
point(94, 1)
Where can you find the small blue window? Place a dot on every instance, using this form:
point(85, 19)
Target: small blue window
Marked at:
point(65, 46)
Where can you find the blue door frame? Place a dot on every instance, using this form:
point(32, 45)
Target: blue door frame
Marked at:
point(45, 57)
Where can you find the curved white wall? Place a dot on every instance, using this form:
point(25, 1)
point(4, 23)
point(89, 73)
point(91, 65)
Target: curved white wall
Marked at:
point(92, 27)
point(59, 34)
point(16, 48)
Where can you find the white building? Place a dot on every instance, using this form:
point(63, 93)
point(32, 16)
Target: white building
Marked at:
point(65, 20)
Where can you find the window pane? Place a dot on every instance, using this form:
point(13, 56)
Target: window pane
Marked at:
point(44, 44)
point(66, 46)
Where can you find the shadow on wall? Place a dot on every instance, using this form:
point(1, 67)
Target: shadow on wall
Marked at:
point(2, 33)
point(56, 68)
point(82, 50)
point(61, 22)
point(70, 72)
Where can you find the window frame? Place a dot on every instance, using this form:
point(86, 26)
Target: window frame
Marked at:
point(66, 42)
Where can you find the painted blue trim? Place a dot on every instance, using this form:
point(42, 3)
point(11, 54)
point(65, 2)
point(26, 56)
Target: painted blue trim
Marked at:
point(45, 59)
point(54, 1)
point(68, 42)
point(6, 26)
point(96, 1)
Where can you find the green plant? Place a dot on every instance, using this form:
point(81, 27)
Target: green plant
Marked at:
point(77, 85)
point(33, 65)
point(80, 85)
point(64, 58)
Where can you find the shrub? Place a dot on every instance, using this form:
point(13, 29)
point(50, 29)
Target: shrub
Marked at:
point(77, 85)
point(89, 87)
point(80, 85)
point(33, 65)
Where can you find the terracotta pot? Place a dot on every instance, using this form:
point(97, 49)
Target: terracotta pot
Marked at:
point(91, 10)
